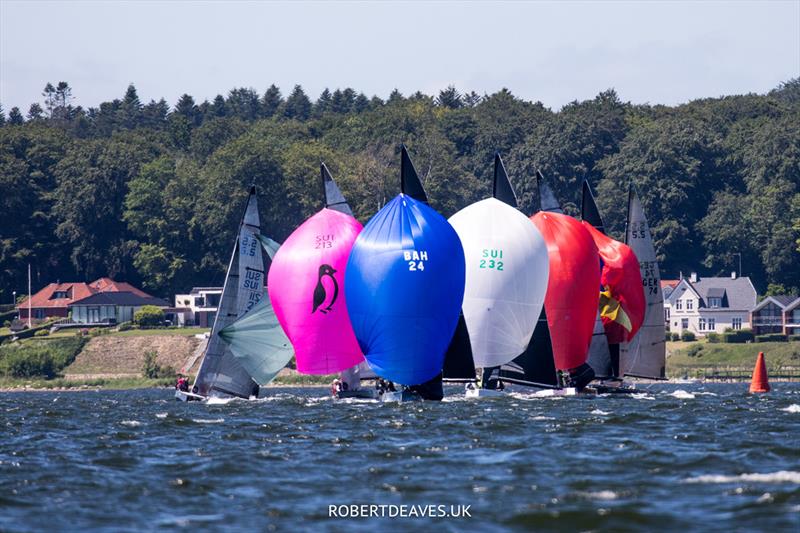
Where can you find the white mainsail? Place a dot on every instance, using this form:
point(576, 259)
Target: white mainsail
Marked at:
point(220, 373)
point(645, 355)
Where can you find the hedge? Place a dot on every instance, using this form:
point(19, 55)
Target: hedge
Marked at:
point(772, 337)
point(714, 337)
point(687, 336)
point(737, 336)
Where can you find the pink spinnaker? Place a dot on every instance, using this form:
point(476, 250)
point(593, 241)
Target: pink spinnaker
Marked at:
point(306, 287)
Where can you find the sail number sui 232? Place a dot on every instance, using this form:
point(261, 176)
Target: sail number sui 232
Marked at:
point(492, 258)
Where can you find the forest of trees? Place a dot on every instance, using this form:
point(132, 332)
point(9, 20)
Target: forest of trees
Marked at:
point(151, 193)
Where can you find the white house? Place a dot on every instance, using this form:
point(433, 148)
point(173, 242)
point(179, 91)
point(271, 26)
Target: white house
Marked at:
point(202, 303)
point(705, 305)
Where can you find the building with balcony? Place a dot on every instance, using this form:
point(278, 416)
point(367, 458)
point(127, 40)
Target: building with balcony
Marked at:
point(777, 314)
point(200, 306)
point(710, 305)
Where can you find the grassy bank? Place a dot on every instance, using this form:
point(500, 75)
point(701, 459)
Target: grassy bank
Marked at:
point(686, 358)
point(38, 357)
point(62, 383)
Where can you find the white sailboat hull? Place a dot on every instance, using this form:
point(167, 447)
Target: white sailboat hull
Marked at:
point(400, 397)
point(184, 396)
point(478, 393)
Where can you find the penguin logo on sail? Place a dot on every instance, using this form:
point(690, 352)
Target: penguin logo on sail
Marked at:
point(326, 291)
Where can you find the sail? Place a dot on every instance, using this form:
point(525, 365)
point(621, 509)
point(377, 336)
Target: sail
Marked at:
point(547, 200)
point(572, 295)
point(268, 245)
point(458, 362)
point(404, 285)
point(220, 373)
point(622, 304)
point(535, 366)
point(306, 283)
point(599, 350)
point(501, 187)
point(506, 279)
point(258, 342)
point(334, 199)
point(410, 185)
point(645, 355)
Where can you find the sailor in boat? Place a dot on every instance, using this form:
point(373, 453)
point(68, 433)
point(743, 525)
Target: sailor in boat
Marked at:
point(182, 384)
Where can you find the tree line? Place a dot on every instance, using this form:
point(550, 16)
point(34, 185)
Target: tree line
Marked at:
point(152, 193)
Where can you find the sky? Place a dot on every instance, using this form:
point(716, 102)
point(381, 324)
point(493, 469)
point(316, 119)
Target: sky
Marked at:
point(553, 52)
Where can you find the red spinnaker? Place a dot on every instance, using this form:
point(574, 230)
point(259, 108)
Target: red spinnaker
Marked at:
point(571, 300)
point(622, 303)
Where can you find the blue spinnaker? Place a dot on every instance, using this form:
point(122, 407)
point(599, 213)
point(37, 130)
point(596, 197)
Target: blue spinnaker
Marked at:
point(404, 286)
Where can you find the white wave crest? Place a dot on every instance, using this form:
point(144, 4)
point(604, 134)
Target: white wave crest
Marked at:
point(219, 401)
point(682, 394)
point(605, 495)
point(783, 476)
point(794, 408)
point(131, 423)
point(208, 421)
point(161, 415)
point(599, 412)
point(642, 396)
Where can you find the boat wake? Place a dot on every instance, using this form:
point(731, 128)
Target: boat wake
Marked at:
point(794, 408)
point(783, 476)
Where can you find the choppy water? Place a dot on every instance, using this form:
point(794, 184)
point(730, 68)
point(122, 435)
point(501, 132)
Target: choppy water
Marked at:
point(677, 457)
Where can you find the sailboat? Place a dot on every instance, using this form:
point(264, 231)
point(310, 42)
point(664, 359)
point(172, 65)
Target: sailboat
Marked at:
point(307, 287)
point(404, 285)
point(622, 303)
point(645, 355)
point(572, 296)
point(506, 278)
point(222, 373)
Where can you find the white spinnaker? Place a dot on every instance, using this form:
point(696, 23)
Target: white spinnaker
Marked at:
point(645, 355)
point(506, 279)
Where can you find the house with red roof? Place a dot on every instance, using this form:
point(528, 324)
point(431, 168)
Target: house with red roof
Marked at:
point(54, 300)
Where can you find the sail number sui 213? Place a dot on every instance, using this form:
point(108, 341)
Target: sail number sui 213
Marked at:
point(492, 258)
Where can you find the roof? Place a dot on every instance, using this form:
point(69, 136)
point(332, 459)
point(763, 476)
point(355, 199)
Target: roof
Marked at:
point(739, 292)
point(120, 298)
point(44, 297)
point(109, 285)
point(781, 300)
point(78, 291)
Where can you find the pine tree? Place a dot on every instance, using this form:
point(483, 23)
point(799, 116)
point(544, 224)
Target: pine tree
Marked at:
point(35, 112)
point(271, 102)
point(131, 109)
point(323, 103)
point(2, 116)
point(15, 117)
point(361, 104)
point(395, 97)
point(49, 94)
point(297, 105)
point(218, 108)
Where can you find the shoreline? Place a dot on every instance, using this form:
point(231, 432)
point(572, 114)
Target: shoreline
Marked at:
point(84, 387)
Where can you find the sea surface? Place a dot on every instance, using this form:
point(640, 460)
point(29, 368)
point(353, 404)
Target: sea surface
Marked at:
point(694, 457)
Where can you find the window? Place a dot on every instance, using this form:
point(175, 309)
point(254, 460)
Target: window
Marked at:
point(702, 324)
point(38, 313)
point(736, 322)
point(712, 324)
point(666, 314)
point(684, 323)
point(714, 302)
point(678, 304)
point(689, 304)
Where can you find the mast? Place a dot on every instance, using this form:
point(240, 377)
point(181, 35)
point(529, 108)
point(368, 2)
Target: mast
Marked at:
point(29, 297)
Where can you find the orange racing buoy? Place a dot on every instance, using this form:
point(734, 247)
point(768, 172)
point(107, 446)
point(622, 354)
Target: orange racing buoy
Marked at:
point(760, 382)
